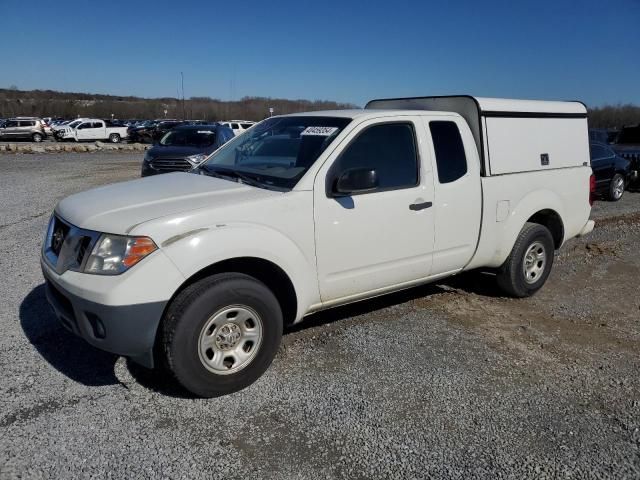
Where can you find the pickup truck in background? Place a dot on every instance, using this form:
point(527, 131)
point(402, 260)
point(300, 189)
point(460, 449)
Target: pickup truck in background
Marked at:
point(91, 129)
point(199, 272)
point(627, 145)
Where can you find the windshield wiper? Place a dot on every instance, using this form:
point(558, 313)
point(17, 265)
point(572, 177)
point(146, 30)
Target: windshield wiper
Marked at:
point(234, 174)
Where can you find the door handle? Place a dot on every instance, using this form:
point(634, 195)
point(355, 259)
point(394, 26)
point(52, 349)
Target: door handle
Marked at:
point(419, 206)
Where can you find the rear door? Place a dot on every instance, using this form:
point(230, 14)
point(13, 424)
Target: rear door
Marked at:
point(379, 239)
point(458, 194)
point(25, 129)
point(98, 131)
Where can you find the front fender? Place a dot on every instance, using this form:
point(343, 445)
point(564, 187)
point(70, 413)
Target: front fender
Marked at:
point(206, 247)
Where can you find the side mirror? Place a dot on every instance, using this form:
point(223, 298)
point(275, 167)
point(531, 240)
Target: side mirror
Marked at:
point(355, 180)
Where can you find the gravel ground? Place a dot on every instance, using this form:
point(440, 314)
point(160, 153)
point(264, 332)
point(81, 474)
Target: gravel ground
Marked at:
point(448, 380)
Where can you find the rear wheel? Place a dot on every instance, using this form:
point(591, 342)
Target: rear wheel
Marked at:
point(616, 188)
point(220, 334)
point(114, 138)
point(37, 137)
point(529, 264)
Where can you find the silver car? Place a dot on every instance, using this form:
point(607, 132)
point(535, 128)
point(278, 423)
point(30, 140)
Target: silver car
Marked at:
point(23, 128)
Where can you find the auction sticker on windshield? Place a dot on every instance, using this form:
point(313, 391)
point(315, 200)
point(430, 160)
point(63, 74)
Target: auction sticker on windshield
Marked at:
point(322, 131)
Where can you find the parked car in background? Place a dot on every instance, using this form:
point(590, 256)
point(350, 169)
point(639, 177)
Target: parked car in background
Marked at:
point(161, 129)
point(92, 129)
point(57, 129)
point(627, 145)
point(238, 126)
point(23, 128)
point(184, 148)
point(142, 132)
point(612, 172)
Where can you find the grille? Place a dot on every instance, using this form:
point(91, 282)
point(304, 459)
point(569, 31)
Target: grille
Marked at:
point(171, 164)
point(67, 246)
point(60, 232)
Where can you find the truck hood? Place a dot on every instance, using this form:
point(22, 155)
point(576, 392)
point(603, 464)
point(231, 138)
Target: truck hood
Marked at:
point(120, 207)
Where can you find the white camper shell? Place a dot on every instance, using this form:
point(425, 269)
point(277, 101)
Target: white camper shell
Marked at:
point(513, 135)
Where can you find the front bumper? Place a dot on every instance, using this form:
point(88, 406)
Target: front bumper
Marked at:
point(86, 306)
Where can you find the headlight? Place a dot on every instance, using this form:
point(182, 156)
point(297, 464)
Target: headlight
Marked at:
point(114, 254)
point(147, 157)
point(197, 159)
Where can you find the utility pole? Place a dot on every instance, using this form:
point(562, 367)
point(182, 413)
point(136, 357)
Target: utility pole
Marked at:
point(183, 109)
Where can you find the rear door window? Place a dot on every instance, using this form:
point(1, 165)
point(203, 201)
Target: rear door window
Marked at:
point(451, 160)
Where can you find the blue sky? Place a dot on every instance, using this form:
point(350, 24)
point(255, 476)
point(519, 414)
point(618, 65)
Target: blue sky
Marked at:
point(338, 50)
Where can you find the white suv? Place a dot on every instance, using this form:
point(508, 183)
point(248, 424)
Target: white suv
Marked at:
point(238, 126)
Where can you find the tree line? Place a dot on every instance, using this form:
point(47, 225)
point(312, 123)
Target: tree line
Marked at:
point(49, 103)
point(614, 116)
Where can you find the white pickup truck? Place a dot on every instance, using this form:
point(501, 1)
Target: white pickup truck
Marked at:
point(200, 271)
point(91, 129)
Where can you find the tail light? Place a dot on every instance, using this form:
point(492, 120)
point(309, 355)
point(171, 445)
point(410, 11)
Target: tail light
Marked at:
point(592, 189)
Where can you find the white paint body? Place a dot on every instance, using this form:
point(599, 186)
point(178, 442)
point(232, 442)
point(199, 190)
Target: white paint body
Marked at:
point(335, 255)
point(92, 129)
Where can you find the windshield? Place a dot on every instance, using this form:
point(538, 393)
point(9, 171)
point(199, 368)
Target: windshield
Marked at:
point(189, 138)
point(278, 151)
point(75, 123)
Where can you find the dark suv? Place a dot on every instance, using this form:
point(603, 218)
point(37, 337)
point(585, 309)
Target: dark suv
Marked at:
point(184, 148)
point(23, 128)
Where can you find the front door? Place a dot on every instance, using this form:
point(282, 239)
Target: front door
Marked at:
point(10, 130)
point(379, 239)
point(83, 131)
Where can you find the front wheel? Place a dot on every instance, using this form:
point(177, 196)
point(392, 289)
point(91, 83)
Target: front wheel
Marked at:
point(37, 137)
point(616, 187)
point(220, 334)
point(529, 264)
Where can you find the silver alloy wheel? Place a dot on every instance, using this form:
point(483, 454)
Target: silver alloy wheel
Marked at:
point(230, 339)
point(37, 137)
point(618, 187)
point(535, 259)
point(114, 138)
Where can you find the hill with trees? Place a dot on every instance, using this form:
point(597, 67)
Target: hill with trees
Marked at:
point(50, 103)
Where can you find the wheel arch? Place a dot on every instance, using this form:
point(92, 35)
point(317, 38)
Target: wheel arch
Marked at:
point(266, 271)
point(550, 219)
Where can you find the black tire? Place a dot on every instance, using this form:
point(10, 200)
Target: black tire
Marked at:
point(190, 312)
point(37, 137)
point(616, 188)
point(511, 276)
point(114, 138)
